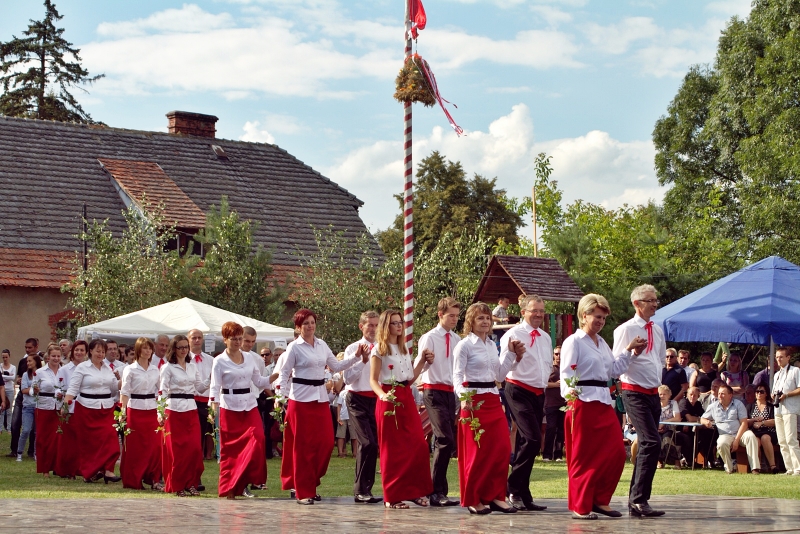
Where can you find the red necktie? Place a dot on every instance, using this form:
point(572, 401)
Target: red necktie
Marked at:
point(111, 365)
point(370, 347)
point(198, 358)
point(160, 362)
point(534, 335)
point(447, 343)
point(649, 328)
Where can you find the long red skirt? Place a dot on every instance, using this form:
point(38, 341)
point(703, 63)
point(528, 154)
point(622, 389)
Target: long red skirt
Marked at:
point(68, 458)
point(97, 439)
point(141, 456)
point(182, 461)
point(241, 451)
point(595, 454)
point(405, 459)
point(307, 446)
point(46, 440)
point(483, 470)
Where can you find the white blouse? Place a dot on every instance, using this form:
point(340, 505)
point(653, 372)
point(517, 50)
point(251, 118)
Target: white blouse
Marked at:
point(8, 379)
point(477, 361)
point(174, 380)
point(137, 381)
point(225, 374)
point(594, 362)
point(47, 380)
point(64, 376)
point(86, 378)
point(402, 365)
point(309, 362)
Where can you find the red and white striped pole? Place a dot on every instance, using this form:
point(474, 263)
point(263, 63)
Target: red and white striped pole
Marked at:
point(408, 201)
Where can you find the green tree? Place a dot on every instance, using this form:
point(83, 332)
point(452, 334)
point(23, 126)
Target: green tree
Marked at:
point(37, 77)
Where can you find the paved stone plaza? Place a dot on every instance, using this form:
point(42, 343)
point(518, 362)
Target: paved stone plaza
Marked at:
point(685, 514)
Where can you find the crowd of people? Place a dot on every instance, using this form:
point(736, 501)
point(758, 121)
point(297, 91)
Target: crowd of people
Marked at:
point(162, 406)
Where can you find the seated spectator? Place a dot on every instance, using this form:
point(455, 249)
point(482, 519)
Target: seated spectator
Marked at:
point(749, 396)
point(711, 396)
point(730, 417)
point(673, 441)
point(736, 377)
point(673, 376)
point(762, 423)
point(691, 411)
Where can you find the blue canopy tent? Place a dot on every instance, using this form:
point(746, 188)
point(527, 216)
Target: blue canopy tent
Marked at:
point(758, 305)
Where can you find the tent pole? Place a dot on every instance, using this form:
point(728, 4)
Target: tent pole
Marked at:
point(771, 361)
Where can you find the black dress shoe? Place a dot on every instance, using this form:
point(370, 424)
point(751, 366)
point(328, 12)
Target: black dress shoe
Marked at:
point(643, 510)
point(108, 479)
point(367, 499)
point(317, 497)
point(482, 511)
point(200, 487)
point(497, 508)
point(525, 504)
point(590, 515)
point(609, 513)
point(258, 487)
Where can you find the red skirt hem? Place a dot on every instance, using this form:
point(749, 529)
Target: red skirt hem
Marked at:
point(98, 441)
point(182, 459)
point(46, 440)
point(141, 455)
point(483, 466)
point(307, 446)
point(242, 458)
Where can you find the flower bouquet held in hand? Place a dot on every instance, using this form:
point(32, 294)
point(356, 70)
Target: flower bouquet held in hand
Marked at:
point(63, 415)
point(161, 407)
point(473, 422)
point(212, 420)
point(391, 397)
point(121, 424)
point(574, 391)
point(278, 412)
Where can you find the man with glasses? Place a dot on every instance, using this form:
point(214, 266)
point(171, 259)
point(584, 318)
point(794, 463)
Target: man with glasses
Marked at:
point(674, 377)
point(639, 385)
point(525, 386)
point(553, 402)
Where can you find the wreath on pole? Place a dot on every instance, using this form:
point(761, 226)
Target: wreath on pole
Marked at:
point(411, 83)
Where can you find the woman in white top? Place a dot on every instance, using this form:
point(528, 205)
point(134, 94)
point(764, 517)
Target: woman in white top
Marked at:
point(482, 462)
point(308, 436)
point(67, 463)
point(241, 431)
point(9, 371)
point(141, 456)
point(405, 458)
point(27, 379)
point(674, 443)
point(595, 453)
point(94, 386)
point(787, 396)
point(182, 455)
point(46, 385)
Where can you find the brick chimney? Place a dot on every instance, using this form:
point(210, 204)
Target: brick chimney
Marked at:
point(186, 123)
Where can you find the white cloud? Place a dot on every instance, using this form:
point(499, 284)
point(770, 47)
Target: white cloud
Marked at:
point(617, 38)
point(552, 15)
point(189, 19)
point(731, 7)
point(255, 134)
point(508, 90)
point(593, 167)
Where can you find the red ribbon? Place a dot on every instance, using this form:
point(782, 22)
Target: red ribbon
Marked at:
point(447, 343)
point(649, 328)
point(431, 80)
point(198, 358)
point(160, 362)
point(534, 335)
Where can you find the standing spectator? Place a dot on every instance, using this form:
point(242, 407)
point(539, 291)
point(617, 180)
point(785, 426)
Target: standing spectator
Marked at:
point(683, 361)
point(761, 422)
point(730, 417)
point(130, 355)
point(68, 464)
point(735, 376)
point(9, 372)
point(554, 415)
point(31, 348)
point(674, 377)
point(639, 386)
point(46, 385)
point(344, 430)
point(762, 377)
point(65, 345)
point(268, 403)
point(33, 362)
point(705, 375)
point(500, 313)
point(787, 395)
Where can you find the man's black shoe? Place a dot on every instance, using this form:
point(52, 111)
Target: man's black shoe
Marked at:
point(200, 487)
point(525, 504)
point(643, 510)
point(367, 499)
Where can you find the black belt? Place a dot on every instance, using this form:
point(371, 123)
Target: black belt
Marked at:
point(481, 385)
point(143, 396)
point(93, 396)
point(307, 382)
point(595, 383)
point(181, 396)
point(405, 383)
point(42, 394)
point(243, 391)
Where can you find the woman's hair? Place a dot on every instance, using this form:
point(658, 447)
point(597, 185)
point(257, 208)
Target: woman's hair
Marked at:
point(738, 356)
point(53, 346)
point(78, 343)
point(95, 342)
point(140, 344)
point(589, 303)
point(38, 360)
point(231, 329)
point(472, 313)
point(664, 389)
point(172, 353)
point(301, 315)
point(755, 388)
point(382, 335)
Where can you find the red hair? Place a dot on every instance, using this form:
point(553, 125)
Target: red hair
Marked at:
point(232, 329)
point(301, 315)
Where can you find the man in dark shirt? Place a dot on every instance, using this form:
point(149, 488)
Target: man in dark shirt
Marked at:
point(691, 411)
point(674, 377)
point(553, 401)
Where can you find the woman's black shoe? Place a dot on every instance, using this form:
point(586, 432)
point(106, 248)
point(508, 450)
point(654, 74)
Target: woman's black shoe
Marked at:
point(482, 511)
point(497, 508)
point(609, 513)
point(108, 479)
point(317, 497)
point(590, 515)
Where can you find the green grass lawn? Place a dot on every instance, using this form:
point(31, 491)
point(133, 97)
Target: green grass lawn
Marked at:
point(19, 480)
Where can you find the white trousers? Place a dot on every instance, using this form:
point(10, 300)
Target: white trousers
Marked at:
point(786, 428)
point(748, 440)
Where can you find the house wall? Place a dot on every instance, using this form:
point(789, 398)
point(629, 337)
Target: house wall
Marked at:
point(26, 312)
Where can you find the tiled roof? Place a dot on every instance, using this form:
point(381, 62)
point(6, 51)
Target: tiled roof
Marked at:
point(512, 276)
point(145, 180)
point(34, 267)
point(48, 170)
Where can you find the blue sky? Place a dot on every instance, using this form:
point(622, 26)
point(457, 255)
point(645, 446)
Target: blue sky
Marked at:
point(583, 80)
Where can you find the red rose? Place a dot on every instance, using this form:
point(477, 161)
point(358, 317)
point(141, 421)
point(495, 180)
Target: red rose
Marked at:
point(391, 367)
point(277, 387)
point(159, 393)
point(69, 402)
point(61, 379)
point(573, 366)
point(465, 384)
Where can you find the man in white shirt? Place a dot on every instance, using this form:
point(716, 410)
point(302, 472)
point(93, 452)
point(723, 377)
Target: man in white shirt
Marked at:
point(438, 394)
point(203, 362)
point(683, 361)
point(639, 385)
point(500, 313)
point(524, 389)
point(248, 342)
point(113, 363)
point(159, 356)
point(360, 401)
point(65, 345)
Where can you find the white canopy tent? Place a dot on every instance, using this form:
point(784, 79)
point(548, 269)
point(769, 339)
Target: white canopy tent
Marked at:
point(178, 317)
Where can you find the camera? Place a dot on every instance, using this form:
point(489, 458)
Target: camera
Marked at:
point(777, 396)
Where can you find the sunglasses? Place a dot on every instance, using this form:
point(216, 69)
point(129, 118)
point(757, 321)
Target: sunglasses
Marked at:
point(761, 391)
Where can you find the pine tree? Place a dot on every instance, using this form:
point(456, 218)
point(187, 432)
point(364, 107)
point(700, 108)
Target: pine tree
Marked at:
point(42, 90)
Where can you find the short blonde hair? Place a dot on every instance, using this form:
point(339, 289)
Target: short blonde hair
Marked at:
point(588, 304)
point(664, 389)
point(472, 313)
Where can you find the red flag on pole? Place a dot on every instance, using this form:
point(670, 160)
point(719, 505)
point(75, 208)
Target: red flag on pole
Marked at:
point(416, 14)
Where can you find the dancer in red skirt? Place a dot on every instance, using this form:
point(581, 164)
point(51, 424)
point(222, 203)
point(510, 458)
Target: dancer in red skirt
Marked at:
point(482, 464)
point(405, 460)
point(94, 386)
point(67, 457)
point(241, 433)
point(308, 438)
point(141, 455)
point(595, 453)
point(182, 456)
point(46, 385)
